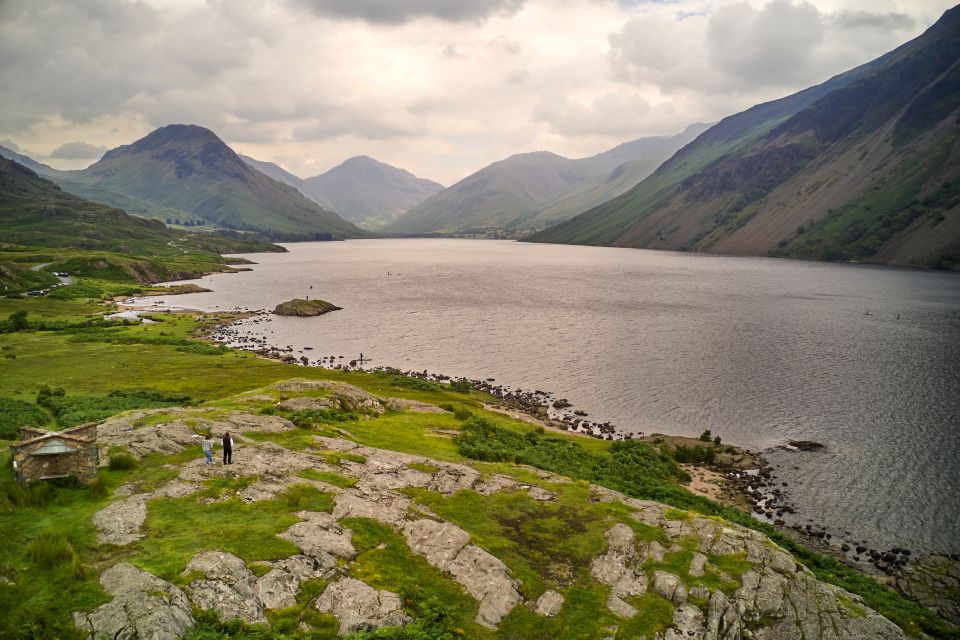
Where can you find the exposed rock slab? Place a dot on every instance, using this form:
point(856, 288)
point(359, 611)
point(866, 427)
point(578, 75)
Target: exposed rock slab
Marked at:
point(483, 575)
point(144, 607)
point(305, 402)
point(621, 569)
point(226, 588)
point(319, 535)
point(776, 589)
point(358, 606)
point(119, 522)
point(278, 588)
point(386, 507)
point(549, 604)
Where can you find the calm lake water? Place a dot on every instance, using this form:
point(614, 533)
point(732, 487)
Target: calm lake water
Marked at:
point(865, 360)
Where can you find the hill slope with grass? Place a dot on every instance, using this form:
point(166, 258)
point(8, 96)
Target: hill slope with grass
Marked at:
point(42, 225)
point(371, 504)
point(863, 167)
point(530, 191)
point(368, 192)
point(188, 168)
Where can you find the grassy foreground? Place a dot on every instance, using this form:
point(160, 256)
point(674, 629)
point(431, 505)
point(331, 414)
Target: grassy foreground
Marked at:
point(62, 365)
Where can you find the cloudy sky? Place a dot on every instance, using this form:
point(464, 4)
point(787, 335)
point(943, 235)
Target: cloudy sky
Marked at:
point(438, 87)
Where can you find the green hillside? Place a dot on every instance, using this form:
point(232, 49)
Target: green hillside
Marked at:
point(41, 224)
point(530, 191)
point(859, 168)
point(188, 168)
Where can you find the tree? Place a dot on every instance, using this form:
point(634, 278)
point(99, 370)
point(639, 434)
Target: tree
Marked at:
point(19, 320)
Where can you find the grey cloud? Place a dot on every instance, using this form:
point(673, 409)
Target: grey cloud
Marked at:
point(888, 21)
point(612, 114)
point(10, 144)
point(77, 151)
point(401, 11)
point(774, 45)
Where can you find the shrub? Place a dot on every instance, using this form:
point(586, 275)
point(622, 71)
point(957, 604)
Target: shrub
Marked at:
point(460, 412)
point(18, 413)
point(121, 461)
point(98, 488)
point(705, 436)
point(18, 320)
point(460, 386)
point(51, 549)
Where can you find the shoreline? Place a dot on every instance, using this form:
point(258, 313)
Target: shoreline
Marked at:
point(750, 488)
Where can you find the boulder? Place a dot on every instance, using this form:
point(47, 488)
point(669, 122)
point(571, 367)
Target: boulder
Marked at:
point(549, 604)
point(319, 535)
point(359, 607)
point(144, 607)
point(278, 588)
point(119, 522)
point(620, 568)
point(484, 576)
point(304, 308)
point(226, 588)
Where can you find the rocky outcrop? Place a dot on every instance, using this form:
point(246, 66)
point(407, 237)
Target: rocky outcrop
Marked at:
point(144, 607)
point(278, 588)
point(934, 582)
point(483, 575)
point(320, 536)
point(230, 589)
point(175, 435)
point(119, 522)
point(621, 569)
point(549, 604)
point(227, 587)
point(304, 308)
point(776, 597)
point(360, 607)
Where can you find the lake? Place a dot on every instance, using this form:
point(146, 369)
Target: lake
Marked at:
point(865, 360)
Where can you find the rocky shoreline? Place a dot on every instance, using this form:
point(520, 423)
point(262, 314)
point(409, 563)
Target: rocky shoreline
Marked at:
point(753, 487)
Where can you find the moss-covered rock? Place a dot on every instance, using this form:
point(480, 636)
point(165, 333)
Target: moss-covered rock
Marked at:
point(305, 308)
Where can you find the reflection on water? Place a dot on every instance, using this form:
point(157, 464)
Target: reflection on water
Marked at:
point(862, 359)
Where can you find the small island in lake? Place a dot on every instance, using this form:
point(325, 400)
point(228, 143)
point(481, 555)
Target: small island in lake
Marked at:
point(305, 308)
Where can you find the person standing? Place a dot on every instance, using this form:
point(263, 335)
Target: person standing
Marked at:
point(227, 448)
point(208, 448)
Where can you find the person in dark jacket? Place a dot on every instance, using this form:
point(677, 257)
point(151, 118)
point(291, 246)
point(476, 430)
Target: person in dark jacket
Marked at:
point(227, 448)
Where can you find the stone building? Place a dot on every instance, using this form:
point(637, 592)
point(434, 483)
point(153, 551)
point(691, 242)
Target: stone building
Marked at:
point(44, 455)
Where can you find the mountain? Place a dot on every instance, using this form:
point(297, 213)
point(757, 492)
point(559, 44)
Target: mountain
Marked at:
point(863, 167)
point(28, 162)
point(275, 171)
point(368, 192)
point(638, 161)
point(530, 191)
point(364, 191)
point(67, 181)
point(89, 238)
point(189, 168)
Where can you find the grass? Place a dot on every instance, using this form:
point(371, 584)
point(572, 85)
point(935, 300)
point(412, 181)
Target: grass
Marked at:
point(545, 544)
point(176, 529)
point(329, 477)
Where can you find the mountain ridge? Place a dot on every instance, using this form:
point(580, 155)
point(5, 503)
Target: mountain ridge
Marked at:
point(827, 173)
point(530, 190)
point(189, 168)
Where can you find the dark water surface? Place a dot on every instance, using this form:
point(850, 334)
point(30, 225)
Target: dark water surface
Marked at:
point(865, 360)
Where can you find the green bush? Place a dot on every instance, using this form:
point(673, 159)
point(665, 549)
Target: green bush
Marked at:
point(460, 412)
point(309, 418)
point(73, 410)
point(122, 461)
point(14, 495)
point(51, 549)
point(18, 413)
point(460, 386)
